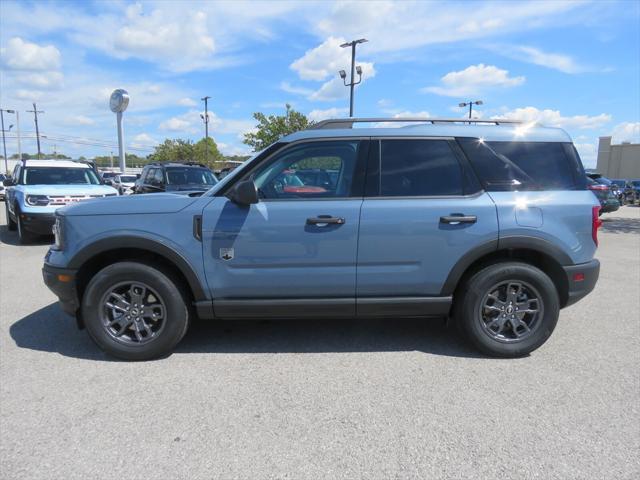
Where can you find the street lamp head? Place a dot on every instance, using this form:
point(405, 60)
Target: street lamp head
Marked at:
point(354, 42)
point(463, 104)
point(343, 74)
point(359, 70)
point(478, 102)
point(10, 111)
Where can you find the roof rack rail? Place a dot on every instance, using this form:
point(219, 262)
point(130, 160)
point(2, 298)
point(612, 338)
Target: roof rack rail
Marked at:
point(348, 122)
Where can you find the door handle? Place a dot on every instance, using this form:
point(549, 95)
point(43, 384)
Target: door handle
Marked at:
point(456, 218)
point(325, 220)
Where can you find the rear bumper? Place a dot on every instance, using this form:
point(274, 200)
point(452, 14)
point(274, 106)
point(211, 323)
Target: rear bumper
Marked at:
point(38, 223)
point(581, 279)
point(62, 282)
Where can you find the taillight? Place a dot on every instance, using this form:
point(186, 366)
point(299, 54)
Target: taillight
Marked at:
point(595, 223)
point(598, 187)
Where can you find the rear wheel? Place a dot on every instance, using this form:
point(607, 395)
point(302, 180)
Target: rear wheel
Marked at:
point(11, 225)
point(507, 309)
point(134, 311)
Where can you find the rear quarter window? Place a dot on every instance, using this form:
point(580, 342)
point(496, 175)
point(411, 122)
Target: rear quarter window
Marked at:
point(525, 165)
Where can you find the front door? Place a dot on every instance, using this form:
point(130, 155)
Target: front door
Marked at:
point(294, 252)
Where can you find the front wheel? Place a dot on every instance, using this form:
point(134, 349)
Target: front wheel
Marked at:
point(507, 309)
point(134, 311)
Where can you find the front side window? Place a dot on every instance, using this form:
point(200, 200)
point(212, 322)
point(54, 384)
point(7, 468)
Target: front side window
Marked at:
point(419, 168)
point(59, 176)
point(310, 170)
point(190, 176)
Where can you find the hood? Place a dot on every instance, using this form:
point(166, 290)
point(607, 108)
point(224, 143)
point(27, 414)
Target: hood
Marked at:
point(131, 204)
point(69, 190)
point(190, 187)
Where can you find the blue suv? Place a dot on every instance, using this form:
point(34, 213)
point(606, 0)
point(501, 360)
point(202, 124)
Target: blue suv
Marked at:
point(487, 222)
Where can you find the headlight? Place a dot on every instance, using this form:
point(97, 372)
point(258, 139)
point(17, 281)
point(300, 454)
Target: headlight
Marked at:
point(37, 200)
point(58, 233)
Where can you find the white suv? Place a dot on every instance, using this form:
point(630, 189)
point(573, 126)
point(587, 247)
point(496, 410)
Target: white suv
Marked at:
point(38, 188)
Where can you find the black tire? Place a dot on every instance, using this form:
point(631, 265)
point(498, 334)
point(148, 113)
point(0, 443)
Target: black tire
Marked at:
point(24, 236)
point(11, 225)
point(160, 283)
point(474, 316)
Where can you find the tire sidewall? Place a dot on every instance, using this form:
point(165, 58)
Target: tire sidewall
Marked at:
point(177, 313)
point(478, 286)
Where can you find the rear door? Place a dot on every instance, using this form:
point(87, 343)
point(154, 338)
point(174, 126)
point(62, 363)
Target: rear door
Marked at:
point(423, 210)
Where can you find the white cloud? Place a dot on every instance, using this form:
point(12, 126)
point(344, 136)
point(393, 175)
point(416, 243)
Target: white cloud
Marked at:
point(22, 55)
point(177, 124)
point(318, 115)
point(42, 80)
point(626, 132)
point(191, 122)
point(143, 140)
point(287, 87)
point(588, 153)
point(553, 118)
point(473, 80)
point(323, 62)
point(555, 61)
point(187, 102)
point(80, 120)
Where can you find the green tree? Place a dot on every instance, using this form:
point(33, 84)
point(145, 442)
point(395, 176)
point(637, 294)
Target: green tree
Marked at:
point(206, 152)
point(176, 150)
point(272, 128)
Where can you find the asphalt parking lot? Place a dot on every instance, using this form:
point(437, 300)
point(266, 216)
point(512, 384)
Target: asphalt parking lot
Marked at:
point(323, 399)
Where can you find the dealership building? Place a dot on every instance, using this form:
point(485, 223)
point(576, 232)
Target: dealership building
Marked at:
point(618, 161)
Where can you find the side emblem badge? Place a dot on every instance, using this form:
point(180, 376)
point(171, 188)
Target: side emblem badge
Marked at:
point(226, 254)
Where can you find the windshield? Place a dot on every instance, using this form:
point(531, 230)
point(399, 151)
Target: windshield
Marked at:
point(635, 183)
point(190, 176)
point(59, 176)
point(620, 183)
point(127, 178)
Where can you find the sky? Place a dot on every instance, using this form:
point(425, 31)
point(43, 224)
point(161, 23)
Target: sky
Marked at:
point(572, 64)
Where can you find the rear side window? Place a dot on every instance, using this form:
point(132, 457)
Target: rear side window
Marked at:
point(525, 165)
point(419, 168)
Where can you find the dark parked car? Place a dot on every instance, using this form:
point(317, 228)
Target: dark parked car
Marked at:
point(107, 177)
point(635, 190)
point(175, 177)
point(605, 195)
point(625, 191)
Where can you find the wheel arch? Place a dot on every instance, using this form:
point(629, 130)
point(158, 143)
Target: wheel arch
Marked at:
point(107, 251)
point(536, 252)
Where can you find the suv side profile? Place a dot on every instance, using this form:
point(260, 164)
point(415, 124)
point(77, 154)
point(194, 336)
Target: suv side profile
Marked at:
point(489, 223)
point(175, 177)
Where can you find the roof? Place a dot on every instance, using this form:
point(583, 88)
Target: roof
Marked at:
point(55, 163)
point(489, 130)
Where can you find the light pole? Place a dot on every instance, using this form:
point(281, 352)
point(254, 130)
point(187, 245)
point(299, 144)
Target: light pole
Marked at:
point(4, 143)
point(35, 112)
point(470, 104)
point(354, 69)
point(118, 103)
point(205, 119)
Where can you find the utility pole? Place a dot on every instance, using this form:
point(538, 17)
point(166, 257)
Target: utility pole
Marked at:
point(470, 104)
point(35, 112)
point(354, 69)
point(205, 119)
point(111, 159)
point(4, 143)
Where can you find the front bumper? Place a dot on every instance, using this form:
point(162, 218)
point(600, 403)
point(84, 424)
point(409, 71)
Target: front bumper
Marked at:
point(38, 223)
point(62, 282)
point(581, 279)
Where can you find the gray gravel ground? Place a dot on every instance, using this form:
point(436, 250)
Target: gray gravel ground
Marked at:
point(323, 399)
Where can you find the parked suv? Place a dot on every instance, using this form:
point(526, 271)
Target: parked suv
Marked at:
point(39, 187)
point(490, 223)
point(172, 177)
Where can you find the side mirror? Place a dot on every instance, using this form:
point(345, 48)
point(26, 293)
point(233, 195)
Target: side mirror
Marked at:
point(137, 176)
point(245, 193)
point(8, 182)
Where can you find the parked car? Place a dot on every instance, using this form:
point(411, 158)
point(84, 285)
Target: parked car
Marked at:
point(605, 195)
point(624, 191)
point(125, 184)
point(38, 188)
point(174, 177)
point(3, 177)
point(635, 188)
point(488, 223)
point(107, 177)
